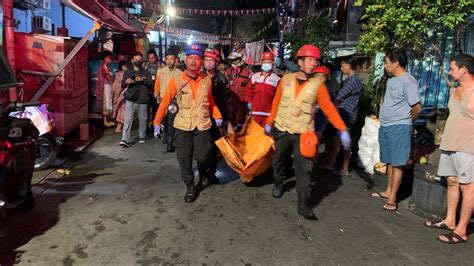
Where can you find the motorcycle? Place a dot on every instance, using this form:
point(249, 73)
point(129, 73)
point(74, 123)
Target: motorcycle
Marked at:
point(48, 146)
point(18, 141)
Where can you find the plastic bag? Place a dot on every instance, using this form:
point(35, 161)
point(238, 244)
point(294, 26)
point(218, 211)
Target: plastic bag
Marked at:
point(369, 145)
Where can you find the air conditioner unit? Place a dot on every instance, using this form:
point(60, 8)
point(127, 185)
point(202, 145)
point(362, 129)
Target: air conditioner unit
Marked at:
point(136, 10)
point(41, 23)
point(25, 4)
point(44, 4)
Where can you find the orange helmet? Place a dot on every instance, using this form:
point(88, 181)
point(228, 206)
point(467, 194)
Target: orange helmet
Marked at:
point(323, 70)
point(309, 50)
point(213, 53)
point(268, 56)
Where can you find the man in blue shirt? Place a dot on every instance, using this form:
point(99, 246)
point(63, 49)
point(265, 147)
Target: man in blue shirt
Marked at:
point(400, 108)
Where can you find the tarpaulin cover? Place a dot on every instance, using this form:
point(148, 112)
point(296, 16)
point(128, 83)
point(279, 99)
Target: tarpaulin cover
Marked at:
point(249, 152)
point(40, 116)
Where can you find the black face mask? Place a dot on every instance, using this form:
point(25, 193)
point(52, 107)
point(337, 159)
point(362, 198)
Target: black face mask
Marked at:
point(138, 64)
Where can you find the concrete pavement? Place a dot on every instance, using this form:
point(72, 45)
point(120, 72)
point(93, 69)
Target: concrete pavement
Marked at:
point(125, 207)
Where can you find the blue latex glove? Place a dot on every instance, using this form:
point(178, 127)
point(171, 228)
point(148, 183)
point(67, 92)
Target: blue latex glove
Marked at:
point(268, 129)
point(345, 140)
point(158, 131)
point(219, 122)
point(249, 106)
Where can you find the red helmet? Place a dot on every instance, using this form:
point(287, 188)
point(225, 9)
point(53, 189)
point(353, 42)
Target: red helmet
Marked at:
point(214, 54)
point(268, 56)
point(309, 50)
point(322, 69)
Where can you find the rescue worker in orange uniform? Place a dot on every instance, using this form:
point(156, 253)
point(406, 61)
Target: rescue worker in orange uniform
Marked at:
point(264, 84)
point(291, 123)
point(163, 77)
point(189, 96)
point(238, 76)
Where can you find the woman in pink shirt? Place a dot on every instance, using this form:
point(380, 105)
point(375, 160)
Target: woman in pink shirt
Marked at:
point(104, 88)
point(119, 101)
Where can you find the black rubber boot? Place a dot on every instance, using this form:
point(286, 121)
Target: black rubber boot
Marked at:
point(164, 138)
point(214, 180)
point(205, 182)
point(190, 193)
point(170, 147)
point(278, 189)
point(303, 207)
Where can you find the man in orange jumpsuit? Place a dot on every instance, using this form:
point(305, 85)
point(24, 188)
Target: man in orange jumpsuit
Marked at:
point(238, 76)
point(291, 118)
point(263, 89)
point(189, 96)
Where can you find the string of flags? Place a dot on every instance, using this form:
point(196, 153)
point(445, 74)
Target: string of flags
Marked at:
point(218, 12)
point(180, 31)
point(262, 30)
point(290, 23)
point(199, 36)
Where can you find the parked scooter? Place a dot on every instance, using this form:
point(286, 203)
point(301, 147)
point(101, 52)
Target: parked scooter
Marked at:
point(18, 138)
point(48, 145)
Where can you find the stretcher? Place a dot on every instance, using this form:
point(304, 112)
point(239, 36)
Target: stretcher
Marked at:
point(248, 152)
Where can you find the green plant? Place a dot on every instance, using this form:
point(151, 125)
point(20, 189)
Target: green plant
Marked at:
point(371, 95)
point(409, 24)
point(316, 31)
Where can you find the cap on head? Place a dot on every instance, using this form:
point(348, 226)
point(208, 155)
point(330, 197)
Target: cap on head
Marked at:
point(268, 56)
point(196, 49)
point(213, 53)
point(309, 50)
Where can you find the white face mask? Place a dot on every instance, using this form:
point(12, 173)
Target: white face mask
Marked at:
point(267, 67)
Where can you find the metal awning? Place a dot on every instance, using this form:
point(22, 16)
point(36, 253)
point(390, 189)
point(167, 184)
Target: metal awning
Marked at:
point(342, 48)
point(95, 10)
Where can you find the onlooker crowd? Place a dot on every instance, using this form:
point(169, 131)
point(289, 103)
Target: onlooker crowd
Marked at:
point(191, 105)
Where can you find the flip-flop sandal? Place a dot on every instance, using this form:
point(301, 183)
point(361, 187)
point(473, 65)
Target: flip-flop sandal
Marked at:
point(378, 195)
point(437, 224)
point(387, 205)
point(341, 173)
point(453, 238)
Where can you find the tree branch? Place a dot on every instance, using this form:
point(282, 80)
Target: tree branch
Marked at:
point(457, 43)
point(437, 51)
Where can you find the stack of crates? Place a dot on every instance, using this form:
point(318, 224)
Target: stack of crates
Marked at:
point(68, 95)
